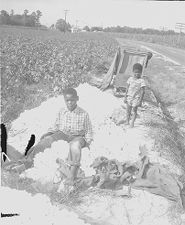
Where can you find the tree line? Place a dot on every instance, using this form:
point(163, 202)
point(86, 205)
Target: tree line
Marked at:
point(132, 30)
point(33, 20)
point(125, 29)
point(25, 19)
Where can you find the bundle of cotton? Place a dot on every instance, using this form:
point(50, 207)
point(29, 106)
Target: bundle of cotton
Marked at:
point(114, 142)
point(36, 121)
point(45, 165)
point(98, 104)
point(33, 209)
point(110, 141)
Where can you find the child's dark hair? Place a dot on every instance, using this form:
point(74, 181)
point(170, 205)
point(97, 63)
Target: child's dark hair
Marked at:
point(70, 91)
point(137, 66)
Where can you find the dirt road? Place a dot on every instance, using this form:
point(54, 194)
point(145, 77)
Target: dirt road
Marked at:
point(175, 54)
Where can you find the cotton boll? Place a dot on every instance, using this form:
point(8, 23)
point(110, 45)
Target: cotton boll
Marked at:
point(45, 165)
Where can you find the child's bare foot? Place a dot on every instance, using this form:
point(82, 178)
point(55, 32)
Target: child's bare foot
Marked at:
point(131, 125)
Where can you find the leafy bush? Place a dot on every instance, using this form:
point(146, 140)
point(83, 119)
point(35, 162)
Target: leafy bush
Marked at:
point(31, 58)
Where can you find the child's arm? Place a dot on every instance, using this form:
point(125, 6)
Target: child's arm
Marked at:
point(127, 87)
point(52, 129)
point(142, 95)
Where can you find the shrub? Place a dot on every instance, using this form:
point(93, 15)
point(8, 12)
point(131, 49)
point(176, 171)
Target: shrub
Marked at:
point(31, 58)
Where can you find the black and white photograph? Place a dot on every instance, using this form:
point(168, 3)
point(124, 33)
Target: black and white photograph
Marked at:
point(92, 112)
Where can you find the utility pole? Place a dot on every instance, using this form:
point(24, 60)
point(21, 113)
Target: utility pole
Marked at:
point(163, 29)
point(65, 11)
point(76, 25)
point(181, 27)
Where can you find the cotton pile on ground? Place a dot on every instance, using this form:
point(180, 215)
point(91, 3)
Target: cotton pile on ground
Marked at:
point(110, 140)
point(33, 210)
point(98, 104)
point(35, 121)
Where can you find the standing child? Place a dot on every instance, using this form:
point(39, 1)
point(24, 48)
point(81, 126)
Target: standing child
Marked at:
point(134, 93)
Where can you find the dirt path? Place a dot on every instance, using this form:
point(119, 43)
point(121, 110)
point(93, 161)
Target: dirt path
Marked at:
point(175, 54)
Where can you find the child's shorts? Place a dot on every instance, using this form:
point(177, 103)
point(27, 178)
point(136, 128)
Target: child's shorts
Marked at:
point(133, 101)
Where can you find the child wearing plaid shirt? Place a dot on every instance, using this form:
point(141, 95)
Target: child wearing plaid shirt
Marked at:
point(72, 125)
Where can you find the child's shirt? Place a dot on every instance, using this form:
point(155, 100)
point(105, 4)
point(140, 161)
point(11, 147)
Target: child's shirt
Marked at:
point(76, 122)
point(135, 85)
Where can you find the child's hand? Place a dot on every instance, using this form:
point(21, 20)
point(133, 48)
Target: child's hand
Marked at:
point(125, 100)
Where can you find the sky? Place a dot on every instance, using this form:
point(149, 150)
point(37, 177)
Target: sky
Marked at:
point(138, 13)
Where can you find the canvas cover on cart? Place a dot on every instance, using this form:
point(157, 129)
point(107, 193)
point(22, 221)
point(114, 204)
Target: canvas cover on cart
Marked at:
point(121, 67)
